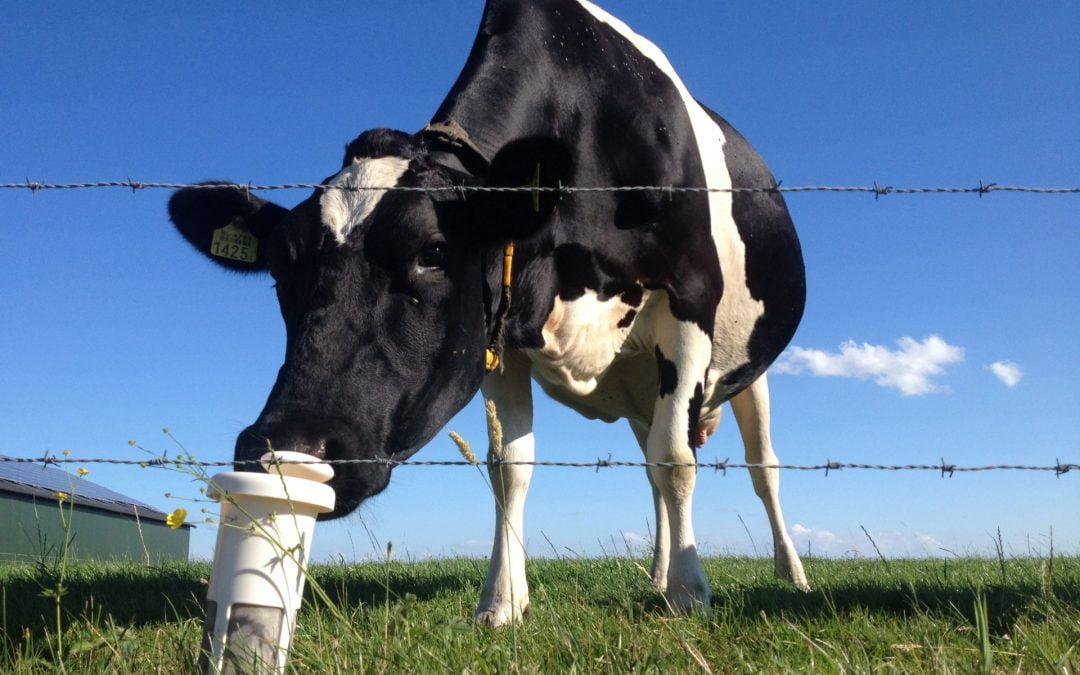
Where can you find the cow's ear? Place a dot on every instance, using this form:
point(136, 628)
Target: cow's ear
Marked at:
point(227, 225)
point(534, 161)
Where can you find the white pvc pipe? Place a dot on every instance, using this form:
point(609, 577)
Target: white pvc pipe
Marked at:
point(260, 562)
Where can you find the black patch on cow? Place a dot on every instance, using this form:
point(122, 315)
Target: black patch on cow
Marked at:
point(633, 296)
point(774, 265)
point(696, 402)
point(669, 374)
point(741, 377)
point(618, 288)
point(382, 143)
point(577, 270)
point(639, 210)
point(628, 319)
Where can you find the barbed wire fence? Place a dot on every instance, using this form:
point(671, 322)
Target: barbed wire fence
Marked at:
point(945, 469)
point(876, 189)
point(717, 466)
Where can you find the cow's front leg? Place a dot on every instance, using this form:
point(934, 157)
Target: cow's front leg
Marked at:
point(751, 408)
point(662, 537)
point(682, 360)
point(505, 597)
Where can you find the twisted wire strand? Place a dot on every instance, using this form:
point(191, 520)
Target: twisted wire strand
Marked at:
point(875, 189)
point(943, 467)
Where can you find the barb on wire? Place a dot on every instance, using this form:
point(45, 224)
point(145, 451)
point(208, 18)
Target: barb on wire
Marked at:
point(1063, 468)
point(669, 190)
point(944, 468)
point(947, 468)
point(721, 467)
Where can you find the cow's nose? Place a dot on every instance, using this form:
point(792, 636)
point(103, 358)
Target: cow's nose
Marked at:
point(318, 438)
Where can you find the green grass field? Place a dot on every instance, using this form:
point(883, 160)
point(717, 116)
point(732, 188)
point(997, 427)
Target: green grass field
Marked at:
point(910, 616)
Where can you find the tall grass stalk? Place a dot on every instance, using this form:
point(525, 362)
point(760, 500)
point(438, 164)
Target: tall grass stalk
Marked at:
point(982, 629)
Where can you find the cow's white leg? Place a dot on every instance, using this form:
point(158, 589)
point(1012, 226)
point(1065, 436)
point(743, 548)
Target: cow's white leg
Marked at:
point(751, 408)
point(505, 597)
point(662, 538)
point(682, 352)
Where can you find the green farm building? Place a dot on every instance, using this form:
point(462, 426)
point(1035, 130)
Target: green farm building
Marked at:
point(104, 525)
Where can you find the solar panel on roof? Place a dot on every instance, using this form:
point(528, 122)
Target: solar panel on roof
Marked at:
point(56, 480)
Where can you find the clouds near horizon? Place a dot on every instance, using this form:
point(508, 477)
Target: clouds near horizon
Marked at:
point(911, 369)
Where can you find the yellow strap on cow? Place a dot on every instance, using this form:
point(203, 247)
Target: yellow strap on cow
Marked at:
point(491, 356)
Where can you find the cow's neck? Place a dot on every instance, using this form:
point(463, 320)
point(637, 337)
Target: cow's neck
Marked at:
point(488, 100)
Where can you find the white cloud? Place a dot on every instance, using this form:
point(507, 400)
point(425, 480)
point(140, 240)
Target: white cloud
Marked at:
point(891, 543)
point(635, 541)
point(818, 542)
point(928, 543)
point(1007, 371)
point(909, 369)
point(804, 532)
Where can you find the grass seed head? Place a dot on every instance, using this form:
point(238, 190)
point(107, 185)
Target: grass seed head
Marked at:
point(495, 429)
point(463, 448)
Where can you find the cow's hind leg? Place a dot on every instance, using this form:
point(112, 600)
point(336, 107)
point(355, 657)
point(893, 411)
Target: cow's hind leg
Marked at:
point(751, 408)
point(505, 597)
point(662, 540)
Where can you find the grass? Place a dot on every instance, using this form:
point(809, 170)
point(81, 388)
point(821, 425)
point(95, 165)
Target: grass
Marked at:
point(955, 615)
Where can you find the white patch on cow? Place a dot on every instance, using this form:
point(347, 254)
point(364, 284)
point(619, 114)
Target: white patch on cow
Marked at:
point(344, 209)
point(738, 311)
point(581, 339)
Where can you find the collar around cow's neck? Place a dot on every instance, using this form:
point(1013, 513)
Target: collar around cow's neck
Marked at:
point(452, 138)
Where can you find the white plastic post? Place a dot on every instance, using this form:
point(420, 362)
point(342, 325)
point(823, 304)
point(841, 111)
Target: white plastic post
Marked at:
point(257, 578)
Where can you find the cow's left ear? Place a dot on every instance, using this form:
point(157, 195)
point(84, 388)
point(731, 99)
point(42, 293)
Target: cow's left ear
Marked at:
point(534, 161)
point(227, 225)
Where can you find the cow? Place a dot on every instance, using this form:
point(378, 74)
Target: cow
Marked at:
point(653, 306)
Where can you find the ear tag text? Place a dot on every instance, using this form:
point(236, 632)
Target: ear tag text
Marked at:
point(234, 242)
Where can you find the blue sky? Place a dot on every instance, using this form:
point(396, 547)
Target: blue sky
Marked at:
point(113, 328)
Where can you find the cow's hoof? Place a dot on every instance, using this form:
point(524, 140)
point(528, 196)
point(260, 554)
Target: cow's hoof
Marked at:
point(503, 614)
point(798, 579)
point(791, 569)
point(695, 600)
point(659, 583)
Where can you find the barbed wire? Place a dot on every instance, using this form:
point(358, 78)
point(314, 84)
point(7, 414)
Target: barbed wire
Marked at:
point(875, 189)
point(945, 468)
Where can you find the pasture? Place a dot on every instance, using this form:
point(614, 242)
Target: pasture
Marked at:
point(591, 615)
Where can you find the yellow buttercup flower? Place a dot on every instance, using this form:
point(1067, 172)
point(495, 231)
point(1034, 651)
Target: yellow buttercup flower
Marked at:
point(176, 518)
point(81, 471)
point(61, 496)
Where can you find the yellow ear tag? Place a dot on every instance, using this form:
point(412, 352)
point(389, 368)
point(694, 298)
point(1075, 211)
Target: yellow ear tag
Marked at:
point(491, 360)
point(234, 242)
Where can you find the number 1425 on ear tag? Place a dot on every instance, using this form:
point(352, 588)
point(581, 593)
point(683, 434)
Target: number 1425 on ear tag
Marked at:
point(234, 242)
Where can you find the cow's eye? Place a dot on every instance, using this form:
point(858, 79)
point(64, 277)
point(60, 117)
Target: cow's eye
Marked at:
point(433, 255)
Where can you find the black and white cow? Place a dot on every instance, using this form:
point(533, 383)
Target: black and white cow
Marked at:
point(649, 306)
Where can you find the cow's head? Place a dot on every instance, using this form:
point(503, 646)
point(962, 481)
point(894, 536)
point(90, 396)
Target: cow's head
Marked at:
point(388, 296)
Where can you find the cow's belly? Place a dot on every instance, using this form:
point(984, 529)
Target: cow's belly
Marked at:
point(626, 390)
point(592, 359)
point(599, 358)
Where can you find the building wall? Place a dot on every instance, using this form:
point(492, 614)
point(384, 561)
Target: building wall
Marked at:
point(31, 528)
